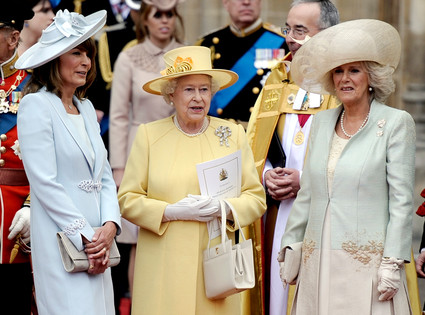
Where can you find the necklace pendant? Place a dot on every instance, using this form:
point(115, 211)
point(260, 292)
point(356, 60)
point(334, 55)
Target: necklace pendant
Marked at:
point(299, 137)
point(70, 107)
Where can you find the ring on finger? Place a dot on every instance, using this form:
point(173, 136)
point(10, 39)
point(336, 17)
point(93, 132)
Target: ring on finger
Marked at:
point(104, 249)
point(91, 267)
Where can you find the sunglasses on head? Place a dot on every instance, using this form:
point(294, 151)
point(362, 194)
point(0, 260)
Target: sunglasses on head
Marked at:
point(159, 14)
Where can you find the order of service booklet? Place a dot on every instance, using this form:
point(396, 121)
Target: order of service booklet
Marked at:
point(220, 178)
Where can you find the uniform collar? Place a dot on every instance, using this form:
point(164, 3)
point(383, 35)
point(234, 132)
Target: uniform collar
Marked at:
point(246, 31)
point(7, 68)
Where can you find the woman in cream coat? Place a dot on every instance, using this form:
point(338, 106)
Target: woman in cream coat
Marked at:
point(161, 173)
point(72, 188)
point(354, 210)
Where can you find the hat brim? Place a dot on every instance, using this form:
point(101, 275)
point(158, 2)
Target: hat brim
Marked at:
point(40, 54)
point(225, 78)
point(134, 5)
point(164, 5)
point(347, 42)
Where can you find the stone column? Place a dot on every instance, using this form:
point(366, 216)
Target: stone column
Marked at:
point(414, 51)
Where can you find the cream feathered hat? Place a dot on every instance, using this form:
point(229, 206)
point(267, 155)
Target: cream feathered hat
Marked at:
point(357, 40)
point(163, 5)
point(67, 31)
point(189, 60)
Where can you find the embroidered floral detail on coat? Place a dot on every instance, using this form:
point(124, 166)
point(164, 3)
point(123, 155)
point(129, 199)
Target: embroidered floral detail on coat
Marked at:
point(90, 185)
point(307, 249)
point(72, 228)
point(363, 253)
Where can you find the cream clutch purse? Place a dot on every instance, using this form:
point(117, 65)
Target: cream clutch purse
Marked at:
point(76, 261)
point(290, 261)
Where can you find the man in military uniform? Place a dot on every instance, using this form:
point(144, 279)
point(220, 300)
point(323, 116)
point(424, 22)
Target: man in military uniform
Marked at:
point(278, 133)
point(15, 265)
point(250, 48)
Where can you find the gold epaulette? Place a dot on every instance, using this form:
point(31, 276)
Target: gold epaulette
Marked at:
point(273, 28)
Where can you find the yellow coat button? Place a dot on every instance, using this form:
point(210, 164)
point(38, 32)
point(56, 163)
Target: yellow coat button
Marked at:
point(219, 111)
point(217, 56)
point(215, 40)
point(255, 90)
point(260, 71)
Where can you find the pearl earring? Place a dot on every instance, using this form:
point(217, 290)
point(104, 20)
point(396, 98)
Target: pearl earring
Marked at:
point(370, 89)
point(172, 103)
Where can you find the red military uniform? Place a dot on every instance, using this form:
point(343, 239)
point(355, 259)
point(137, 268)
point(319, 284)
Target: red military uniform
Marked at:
point(14, 187)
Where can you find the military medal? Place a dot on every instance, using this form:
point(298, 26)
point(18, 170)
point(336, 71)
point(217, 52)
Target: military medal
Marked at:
point(299, 137)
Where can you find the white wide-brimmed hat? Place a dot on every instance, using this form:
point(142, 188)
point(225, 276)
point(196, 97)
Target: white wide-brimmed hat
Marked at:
point(189, 60)
point(163, 5)
point(357, 40)
point(67, 31)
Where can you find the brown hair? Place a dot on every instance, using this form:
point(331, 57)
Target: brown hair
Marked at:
point(48, 74)
point(142, 31)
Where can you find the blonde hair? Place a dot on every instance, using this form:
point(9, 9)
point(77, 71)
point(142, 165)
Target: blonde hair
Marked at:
point(380, 79)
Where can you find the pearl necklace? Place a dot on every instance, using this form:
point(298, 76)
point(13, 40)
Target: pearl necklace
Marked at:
point(200, 131)
point(361, 126)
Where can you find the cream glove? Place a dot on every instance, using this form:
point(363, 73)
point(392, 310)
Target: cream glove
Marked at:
point(389, 277)
point(281, 260)
point(190, 209)
point(21, 225)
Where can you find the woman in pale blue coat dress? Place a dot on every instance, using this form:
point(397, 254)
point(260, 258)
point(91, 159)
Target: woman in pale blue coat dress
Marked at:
point(354, 210)
point(72, 189)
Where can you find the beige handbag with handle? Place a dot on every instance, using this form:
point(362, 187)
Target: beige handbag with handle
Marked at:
point(76, 261)
point(228, 269)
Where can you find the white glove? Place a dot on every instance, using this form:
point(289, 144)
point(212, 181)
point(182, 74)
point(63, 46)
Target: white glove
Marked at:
point(214, 204)
point(21, 225)
point(389, 278)
point(190, 209)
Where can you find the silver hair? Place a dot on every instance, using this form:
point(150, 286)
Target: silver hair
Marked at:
point(169, 87)
point(329, 14)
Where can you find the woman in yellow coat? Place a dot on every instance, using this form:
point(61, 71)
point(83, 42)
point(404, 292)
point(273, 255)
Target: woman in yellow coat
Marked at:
point(160, 189)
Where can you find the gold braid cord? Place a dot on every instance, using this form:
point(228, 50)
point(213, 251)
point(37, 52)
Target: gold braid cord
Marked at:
point(77, 6)
point(105, 60)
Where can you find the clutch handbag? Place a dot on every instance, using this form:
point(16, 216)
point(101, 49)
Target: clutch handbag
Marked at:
point(228, 269)
point(292, 262)
point(75, 261)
